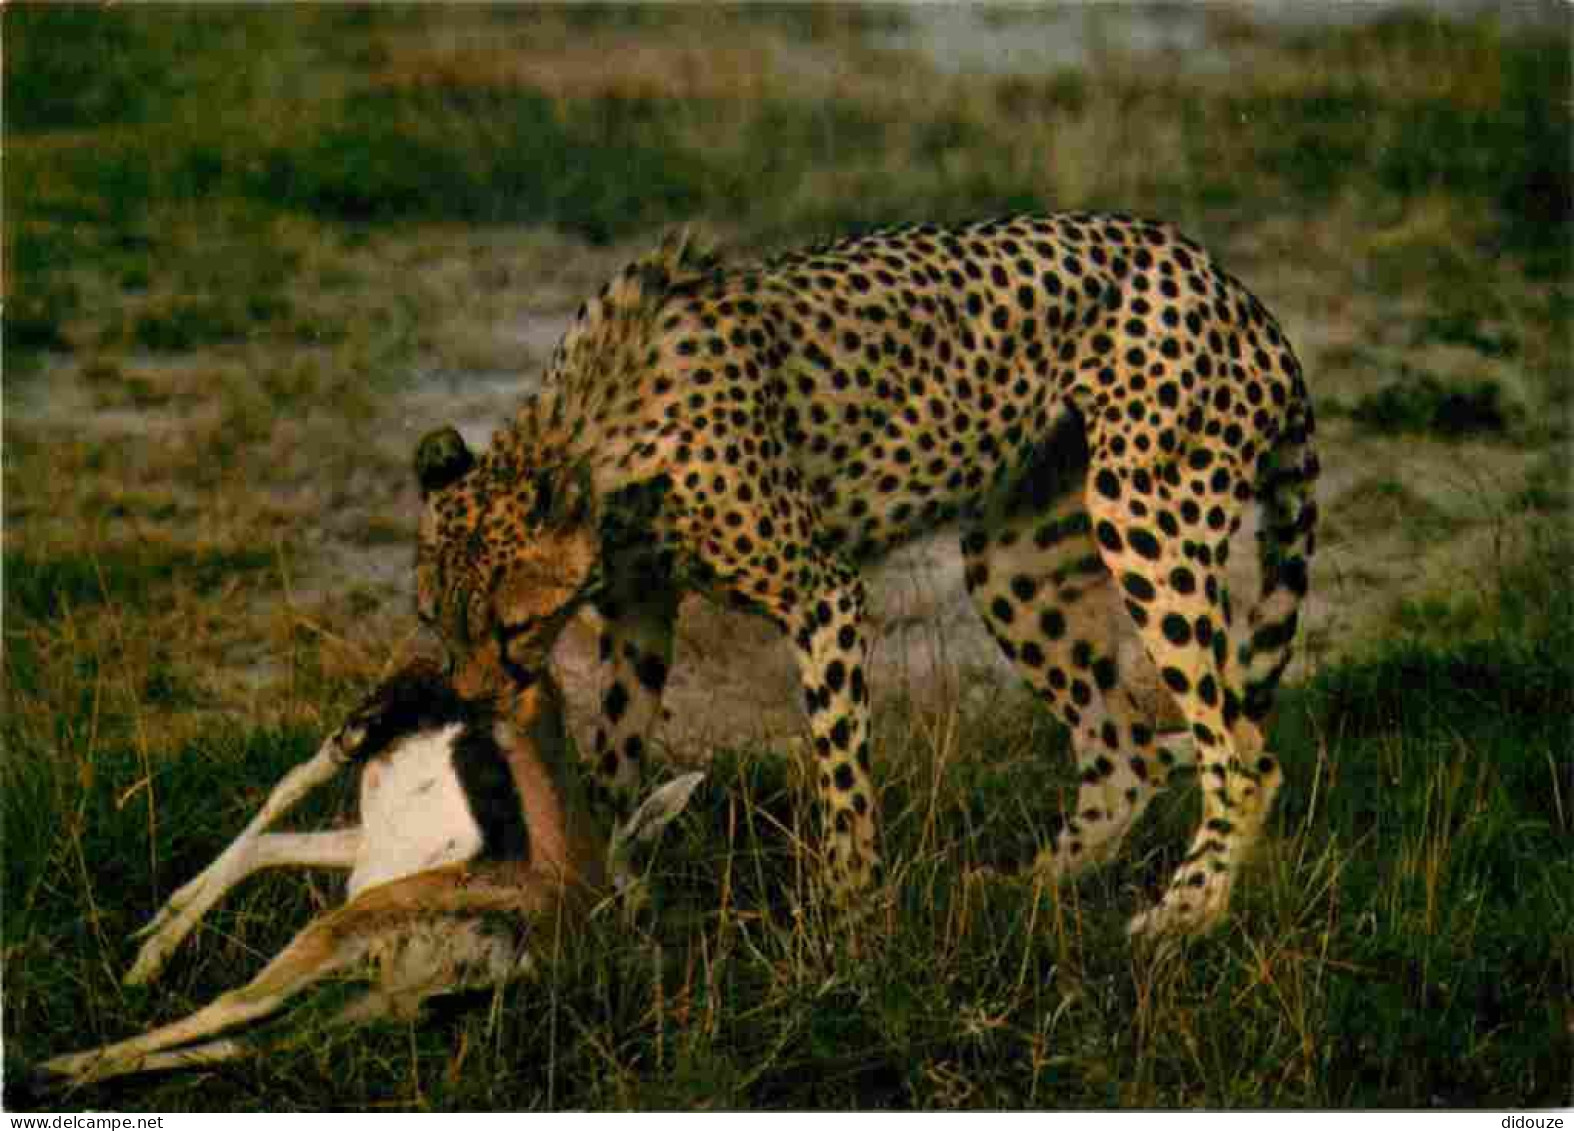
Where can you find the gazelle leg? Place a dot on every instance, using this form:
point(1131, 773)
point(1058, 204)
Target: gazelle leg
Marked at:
point(371, 1006)
point(181, 911)
point(195, 1056)
point(335, 849)
point(447, 929)
point(321, 949)
point(374, 1005)
point(181, 914)
point(294, 786)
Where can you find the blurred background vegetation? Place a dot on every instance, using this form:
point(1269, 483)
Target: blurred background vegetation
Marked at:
point(771, 122)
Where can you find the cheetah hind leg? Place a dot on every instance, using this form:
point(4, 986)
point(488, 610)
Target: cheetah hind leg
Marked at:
point(1251, 657)
point(1112, 796)
point(1181, 608)
point(1038, 581)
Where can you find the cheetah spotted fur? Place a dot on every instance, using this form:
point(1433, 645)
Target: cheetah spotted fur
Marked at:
point(1089, 399)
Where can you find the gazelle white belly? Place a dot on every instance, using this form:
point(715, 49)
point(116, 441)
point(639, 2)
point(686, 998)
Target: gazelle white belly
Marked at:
point(414, 813)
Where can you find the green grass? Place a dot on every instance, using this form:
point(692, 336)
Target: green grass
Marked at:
point(45, 589)
point(1402, 942)
point(441, 152)
point(1486, 131)
point(1423, 404)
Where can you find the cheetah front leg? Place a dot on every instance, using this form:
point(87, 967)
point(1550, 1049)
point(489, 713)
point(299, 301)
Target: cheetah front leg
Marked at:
point(635, 650)
point(819, 603)
point(832, 646)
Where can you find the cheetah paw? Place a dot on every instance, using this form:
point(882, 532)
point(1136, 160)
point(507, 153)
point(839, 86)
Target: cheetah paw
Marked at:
point(1070, 858)
point(1187, 910)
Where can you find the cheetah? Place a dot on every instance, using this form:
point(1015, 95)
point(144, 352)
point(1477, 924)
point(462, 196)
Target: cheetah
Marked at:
point(1090, 400)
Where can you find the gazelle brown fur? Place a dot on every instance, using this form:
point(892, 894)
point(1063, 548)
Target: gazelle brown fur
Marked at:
point(433, 908)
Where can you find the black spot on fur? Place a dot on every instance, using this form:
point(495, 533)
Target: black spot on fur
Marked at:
point(616, 702)
point(652, 672)
point(1138, 586)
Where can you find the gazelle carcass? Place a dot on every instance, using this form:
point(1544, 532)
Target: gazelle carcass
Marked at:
point(475, 850)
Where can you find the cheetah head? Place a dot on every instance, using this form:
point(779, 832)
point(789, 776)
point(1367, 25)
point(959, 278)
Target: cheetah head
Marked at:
point(505, 556)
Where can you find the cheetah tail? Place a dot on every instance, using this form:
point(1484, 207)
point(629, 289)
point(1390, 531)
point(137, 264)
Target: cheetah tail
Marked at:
point(1286, 539)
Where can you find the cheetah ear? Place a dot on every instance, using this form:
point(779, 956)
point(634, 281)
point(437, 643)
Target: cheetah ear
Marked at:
point(441, 458)
point(564, 496)
point(682, 257)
